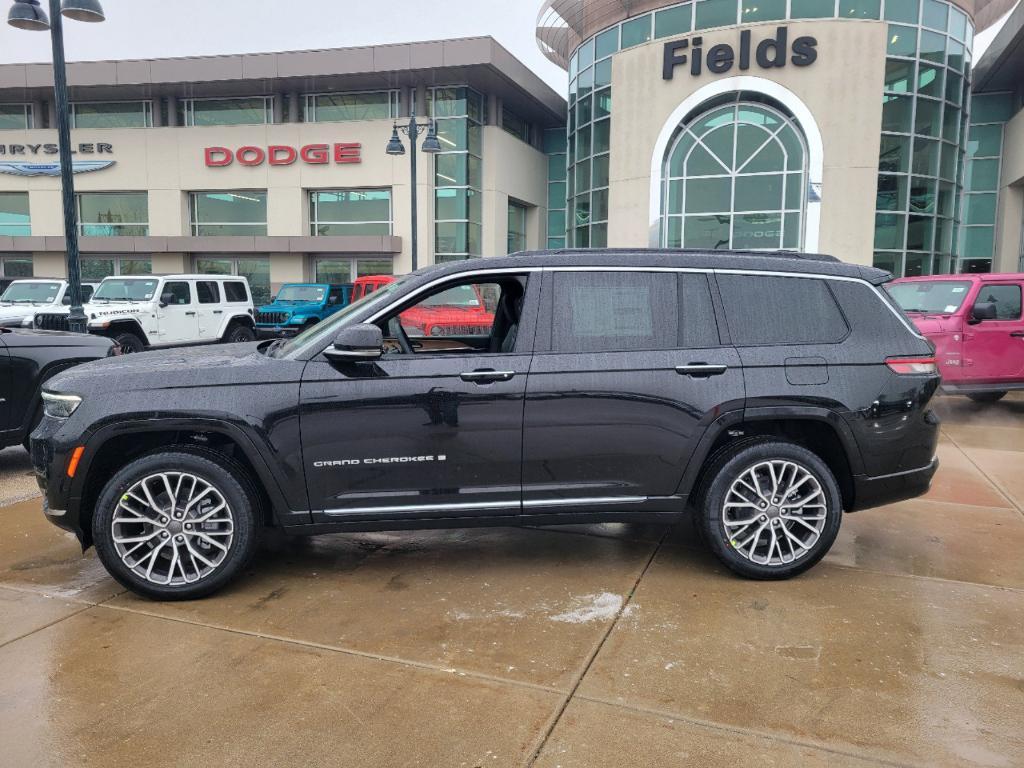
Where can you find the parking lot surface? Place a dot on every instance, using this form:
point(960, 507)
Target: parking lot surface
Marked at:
point(608, 645)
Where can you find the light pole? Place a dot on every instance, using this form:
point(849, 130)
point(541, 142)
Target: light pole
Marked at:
point(431, 146)
point(27, 14)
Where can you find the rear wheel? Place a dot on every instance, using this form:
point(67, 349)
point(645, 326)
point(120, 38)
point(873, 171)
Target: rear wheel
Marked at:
point(987, 397)
point(239, 334)
point(129, 343)
point(176, 525)
point(770, 509)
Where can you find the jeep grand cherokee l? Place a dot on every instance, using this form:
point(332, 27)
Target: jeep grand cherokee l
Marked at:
point(769, 393)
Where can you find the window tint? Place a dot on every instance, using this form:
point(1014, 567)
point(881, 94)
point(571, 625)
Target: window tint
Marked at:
point(179, 293)
point(336, 296)
point(234, 290)
point(1005, 297)
point(207, 291)
point(781, 310)
point(614, 311)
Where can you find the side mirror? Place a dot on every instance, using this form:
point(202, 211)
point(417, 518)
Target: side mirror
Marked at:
point(166, 298)
point(356, 343)
point(66, 301)
point(982, 311)
point(273, 298)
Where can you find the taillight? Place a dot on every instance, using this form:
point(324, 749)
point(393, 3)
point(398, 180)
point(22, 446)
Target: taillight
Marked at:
point(912, 366)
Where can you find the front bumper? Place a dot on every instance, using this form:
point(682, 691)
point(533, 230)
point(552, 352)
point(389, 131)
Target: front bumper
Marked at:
point(887, 489)
point(277, 331)
point(61, 496)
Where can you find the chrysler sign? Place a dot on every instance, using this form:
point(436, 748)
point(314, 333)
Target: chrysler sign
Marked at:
point(280, 154)
point(28, 159)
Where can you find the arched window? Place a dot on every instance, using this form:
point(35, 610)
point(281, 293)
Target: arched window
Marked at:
point(735, 176)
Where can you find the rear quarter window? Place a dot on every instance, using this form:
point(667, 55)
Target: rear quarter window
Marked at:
point(234, 290)
point(765, 310)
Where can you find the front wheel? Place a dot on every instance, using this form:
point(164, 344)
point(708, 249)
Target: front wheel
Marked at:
point(239, 334)
point(771, 509)
point(986, 397)
point(176, 525)
point(129, 343)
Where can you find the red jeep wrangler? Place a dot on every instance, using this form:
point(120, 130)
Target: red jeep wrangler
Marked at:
point(461, 311)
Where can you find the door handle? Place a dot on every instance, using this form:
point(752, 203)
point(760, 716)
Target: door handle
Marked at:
point(701, 370)
point(190, 313)
point(218, 311)
point(487, 377)
point(1017, 334)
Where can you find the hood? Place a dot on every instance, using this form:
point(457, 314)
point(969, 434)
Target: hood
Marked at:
point(187, 367)
point(85, 343)
point(9, 311)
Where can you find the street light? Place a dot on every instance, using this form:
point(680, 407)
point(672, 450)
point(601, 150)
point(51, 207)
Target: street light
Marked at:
point(27, 14)
point(395, 148)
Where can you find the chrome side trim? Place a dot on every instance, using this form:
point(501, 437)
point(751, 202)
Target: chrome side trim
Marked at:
point(425, 508)
point(579, 502)
point(925, 468)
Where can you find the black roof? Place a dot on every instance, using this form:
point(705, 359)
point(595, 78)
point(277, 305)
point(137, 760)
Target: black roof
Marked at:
point(759, 261)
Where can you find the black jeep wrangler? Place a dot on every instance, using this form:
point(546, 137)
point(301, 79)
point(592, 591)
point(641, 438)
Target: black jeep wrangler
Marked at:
point(769, 393)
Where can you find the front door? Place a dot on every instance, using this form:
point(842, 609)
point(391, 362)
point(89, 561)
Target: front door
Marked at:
point(628, 372)
point(433, 429)
point(994, 349)
point(178, 320)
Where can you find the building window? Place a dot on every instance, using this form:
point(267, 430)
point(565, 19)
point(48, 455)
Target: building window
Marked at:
point(516, 227)
point(338, 271)
point(113, 214)
point(554, 148)
point(112, 114)
point(255, 270)
point(95, 268)
point(14, 266)
point(255, 110)
point(735, 177)
point(350, 212)
point(15, 117)
point(228, 213)
point(14, 216)
point(344, 107)
point(458, 172)
point(514, 124)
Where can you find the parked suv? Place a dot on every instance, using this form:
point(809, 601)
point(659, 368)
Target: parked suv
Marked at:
point(976, 325)
point(298, 306)
point(24, 299)
point(770, 393)
point(153, 311)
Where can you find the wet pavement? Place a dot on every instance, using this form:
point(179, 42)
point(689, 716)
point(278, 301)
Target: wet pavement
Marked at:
point(586, 646)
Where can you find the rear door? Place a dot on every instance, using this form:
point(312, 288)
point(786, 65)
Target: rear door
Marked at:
point(994, 349)
point(209, 309)
point(629, 372)
point(178, 320)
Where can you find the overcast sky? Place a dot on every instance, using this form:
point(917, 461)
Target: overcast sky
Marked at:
point(160, 28)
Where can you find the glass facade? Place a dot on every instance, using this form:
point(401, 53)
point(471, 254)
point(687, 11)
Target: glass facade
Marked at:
point(254, 110)
point(516, 227)
point(735, 178)
point(255, 270)
point(112, 114)
point(989, 114)
point(555, 149)
point(242, 212)
point(113, 214)
point(16, 266)
point(15, 116)
point(344, 107)
point(926, 102)
point(514, 124)
point(350, 212)
point(458, 172)
point(14, 215)
point(95, 268)
point(339, 270)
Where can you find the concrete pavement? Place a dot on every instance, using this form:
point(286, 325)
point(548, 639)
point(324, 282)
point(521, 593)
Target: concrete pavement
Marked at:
point(588, 646)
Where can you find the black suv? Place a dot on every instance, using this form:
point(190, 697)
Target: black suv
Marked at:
point(769, 392)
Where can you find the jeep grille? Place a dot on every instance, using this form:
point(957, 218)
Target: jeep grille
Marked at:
point(271, 318)
point(53, 322)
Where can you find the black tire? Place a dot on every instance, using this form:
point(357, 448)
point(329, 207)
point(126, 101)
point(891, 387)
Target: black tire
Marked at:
point(239, 334)
point(730, 465)
point(227, 478)
point(987, 397)
point(129, 343)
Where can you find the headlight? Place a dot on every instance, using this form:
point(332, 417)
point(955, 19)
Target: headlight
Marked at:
point(15, 322)
point(297, 319)
point(28, 322)
point(60, 406)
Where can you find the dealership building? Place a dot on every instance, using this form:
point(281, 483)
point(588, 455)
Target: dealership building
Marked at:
point(862, 128)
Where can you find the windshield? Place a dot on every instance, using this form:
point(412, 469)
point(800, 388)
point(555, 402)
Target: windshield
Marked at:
point(460, 296)
point(113, 289)
point(311, 294)
point(31, 293)
point(933, 297)
point(330, 327)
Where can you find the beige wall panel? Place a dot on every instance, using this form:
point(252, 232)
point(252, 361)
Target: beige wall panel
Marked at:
point(171, 263)
point(847, 109)
point(46, 208)
point(512, 169)
point(168, 213)
point(1010, 216)
point(49, 265)
point(286, 268)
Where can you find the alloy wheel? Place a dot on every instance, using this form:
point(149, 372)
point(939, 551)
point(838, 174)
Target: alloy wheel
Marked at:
point(172, 528)
point(774, 512)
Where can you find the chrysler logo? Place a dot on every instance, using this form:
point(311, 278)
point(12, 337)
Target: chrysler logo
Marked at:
point(52, 169)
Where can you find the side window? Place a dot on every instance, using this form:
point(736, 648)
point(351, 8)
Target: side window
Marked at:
point(765, 310)
point(336, 296)
point(87, 291)
point(456, 311)
point(1007, 299)
point(234, 290)
point(207, 292)
point(176, 293)
point(614, 311)
point(698, 327)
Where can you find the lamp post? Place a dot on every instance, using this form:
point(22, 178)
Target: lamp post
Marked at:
point(27, 14)
point(431, 146)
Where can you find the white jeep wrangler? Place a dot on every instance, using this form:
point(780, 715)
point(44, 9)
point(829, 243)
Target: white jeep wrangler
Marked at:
point(154, 311)
point(24, 298)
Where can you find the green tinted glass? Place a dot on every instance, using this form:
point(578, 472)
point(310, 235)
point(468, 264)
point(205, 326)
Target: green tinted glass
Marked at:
point(897, 112)
point(715, 13)
point(985, 141)
point(902, 10)
point(931, 81)
point(600, 171)
point(860, 9)
point(556, 195)
point(980, 209)
point(707, 196)
point(811, 9)
point(556, 168)
point(762, 10)
point(991, 108)
point(899, 75)
point(14, 117)
point(982, 176)
point(927, 120)
point(933, 47)
point(926, 157)
point(602, 136)
point(902, 40)
point(636, 31)
point(752, 231)
point(672, 21)
point(711, 232)
point(934, 14)
point(889, 230)
point(894, 156)
point(606, 43)
point(977, 242)
point(892, 193)
point(922, 195)
point(133, 114)
point(758, 193)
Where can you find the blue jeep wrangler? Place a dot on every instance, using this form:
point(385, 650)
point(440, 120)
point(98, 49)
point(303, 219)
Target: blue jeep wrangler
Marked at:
point(298, 306)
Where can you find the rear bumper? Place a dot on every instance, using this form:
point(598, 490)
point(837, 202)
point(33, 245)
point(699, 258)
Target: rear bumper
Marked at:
point(887, 489)
point(971, 388)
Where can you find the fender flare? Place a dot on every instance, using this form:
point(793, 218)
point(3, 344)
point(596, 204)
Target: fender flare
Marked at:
point(243, 317)
point(116, 326)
